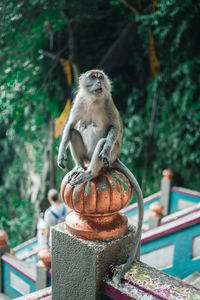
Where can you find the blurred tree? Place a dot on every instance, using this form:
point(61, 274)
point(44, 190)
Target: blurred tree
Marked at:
point(113, 35)
point(29, 100)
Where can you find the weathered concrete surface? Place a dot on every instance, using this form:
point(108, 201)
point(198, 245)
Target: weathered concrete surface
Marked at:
point(42, 278)
point(4, 297)
point(3, 249)
point(44, 294)
point(78, 266)
point(165, 195)
point(154, 222)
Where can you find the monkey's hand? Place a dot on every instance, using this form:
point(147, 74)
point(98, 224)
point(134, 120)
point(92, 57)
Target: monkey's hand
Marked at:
point(60, 159)
point(104, 155)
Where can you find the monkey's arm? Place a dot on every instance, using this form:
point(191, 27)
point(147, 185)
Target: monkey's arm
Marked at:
point(73, 119)
point(64, 144)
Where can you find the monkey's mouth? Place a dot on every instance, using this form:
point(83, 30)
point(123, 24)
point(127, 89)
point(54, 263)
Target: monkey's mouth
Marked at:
point(99, 90)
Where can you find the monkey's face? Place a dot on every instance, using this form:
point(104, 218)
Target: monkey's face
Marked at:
point(96, 82)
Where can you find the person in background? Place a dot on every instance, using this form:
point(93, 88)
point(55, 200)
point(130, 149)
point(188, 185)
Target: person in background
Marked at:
point(55, 214)
point(41, 237)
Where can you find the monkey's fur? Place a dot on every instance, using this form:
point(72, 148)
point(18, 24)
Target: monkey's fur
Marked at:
point(94, 131)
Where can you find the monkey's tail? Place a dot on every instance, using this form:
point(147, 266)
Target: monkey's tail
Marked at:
point(136, 243)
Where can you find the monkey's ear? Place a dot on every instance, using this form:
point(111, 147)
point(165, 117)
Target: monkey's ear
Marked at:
point(81, 78)
point(108, 84)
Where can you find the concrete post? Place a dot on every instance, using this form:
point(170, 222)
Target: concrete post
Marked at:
point(156, 214)
point(4, 247)
point(43, 268)
point(42, 280)
point(165, 190)
point(78, 266)
point(154, 222)
point(3, 250)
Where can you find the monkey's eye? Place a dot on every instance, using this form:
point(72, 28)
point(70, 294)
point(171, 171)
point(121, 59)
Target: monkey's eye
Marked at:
point(93, 76)
point(101, 77)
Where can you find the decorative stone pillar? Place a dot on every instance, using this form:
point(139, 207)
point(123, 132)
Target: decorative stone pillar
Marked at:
point(43, 268)
point(4, 247)
point(94, 235)
point(79, 266)
point(156, 214)
point(165, 190)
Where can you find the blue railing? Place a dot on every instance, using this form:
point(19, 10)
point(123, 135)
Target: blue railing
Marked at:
point(18, 278)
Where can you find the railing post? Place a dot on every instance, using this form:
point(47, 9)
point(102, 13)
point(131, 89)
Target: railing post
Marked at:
point(4, 247)
point(78, 266)
point(156, 214)
point(43, 267)
point(165, 190)
point(94, 236)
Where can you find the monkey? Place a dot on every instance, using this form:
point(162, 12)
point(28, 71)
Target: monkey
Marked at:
point(94, 131)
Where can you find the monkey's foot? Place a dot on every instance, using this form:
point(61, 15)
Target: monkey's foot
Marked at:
point(83, 176)
point(75, 170)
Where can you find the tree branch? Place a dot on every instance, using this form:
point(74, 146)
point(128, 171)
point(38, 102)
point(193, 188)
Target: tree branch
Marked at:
point(130, 7)
point(72, 49)
point(115, 54)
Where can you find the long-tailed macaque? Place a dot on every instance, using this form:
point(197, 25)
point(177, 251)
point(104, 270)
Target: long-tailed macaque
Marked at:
point(94, 131)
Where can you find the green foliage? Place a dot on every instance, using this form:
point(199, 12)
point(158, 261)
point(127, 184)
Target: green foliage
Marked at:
point(16, 213)
point(27, 100)
point(33, 89)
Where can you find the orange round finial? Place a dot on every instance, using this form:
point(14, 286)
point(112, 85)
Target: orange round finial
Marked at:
point(44, 256)
point(12, 251)
point(167, 174)
point(3, 238)
point(156, 210)
point(96, 204)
